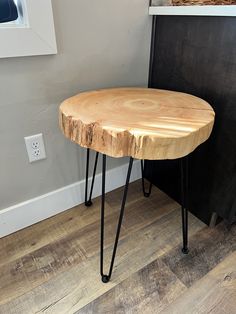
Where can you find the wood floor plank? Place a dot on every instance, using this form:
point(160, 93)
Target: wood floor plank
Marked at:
point(23, 274)
point(38, 235)
point(80, 283)
point(55, 228)
point(207, 249)
point(149, 290)
point(25, 241)
point(215, 293)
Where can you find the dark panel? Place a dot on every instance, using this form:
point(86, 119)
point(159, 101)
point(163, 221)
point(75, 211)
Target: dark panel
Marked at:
point(197, 55)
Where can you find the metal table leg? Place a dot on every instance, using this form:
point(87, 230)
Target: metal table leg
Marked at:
point(106, 278)
point(184, 191)
point(184, 201)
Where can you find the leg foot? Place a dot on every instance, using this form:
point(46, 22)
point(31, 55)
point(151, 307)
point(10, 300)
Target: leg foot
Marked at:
point(146, 194)
point(185, 250)
point(105, 278)
point(88, 203)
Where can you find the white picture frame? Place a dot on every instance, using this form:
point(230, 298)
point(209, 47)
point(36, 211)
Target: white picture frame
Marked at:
point(36, 36)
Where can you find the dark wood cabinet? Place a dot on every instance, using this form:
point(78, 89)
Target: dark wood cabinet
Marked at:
point(197, 55)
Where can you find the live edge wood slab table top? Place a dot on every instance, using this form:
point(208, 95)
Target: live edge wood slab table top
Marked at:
point(142, 123)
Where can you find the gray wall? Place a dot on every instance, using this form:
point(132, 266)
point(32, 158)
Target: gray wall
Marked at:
point(101, 43)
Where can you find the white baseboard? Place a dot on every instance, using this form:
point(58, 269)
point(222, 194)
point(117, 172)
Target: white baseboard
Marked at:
point(34, 210)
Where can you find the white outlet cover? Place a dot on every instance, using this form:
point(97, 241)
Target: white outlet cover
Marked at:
point(35, 147)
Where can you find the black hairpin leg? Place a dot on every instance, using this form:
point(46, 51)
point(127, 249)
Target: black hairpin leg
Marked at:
point(146, 194)
point(106, 278)
point(88, 201)
point(184, 206)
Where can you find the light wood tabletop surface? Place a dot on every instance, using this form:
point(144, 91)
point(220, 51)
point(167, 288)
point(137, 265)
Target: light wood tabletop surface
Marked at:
point(140, 122)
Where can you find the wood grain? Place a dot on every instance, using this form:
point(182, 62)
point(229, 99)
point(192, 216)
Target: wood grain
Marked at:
point(214, 293)
point(139, 122)
point(192, 2)
point(60, 273)
point(149, 290)
point(63, 274)
point(79, 283)
point(29, 266)
point(30, 239)
point(208, 248)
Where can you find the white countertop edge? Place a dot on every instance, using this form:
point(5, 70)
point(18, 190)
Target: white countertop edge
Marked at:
point(208, 10)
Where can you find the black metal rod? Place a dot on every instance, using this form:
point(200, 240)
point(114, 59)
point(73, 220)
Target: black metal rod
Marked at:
point(106, 278)
point(88, 201)
point(86, 178)
point(146, 194)
point(102, 212)
point(184, 202)
point(93, 178)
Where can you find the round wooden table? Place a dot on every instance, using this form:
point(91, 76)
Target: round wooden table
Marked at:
point(142, 123)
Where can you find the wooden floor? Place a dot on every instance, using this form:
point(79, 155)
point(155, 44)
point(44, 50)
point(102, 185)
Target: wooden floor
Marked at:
point(53, 266)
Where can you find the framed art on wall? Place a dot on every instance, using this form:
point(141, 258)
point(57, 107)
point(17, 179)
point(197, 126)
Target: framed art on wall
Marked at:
point(26, 28)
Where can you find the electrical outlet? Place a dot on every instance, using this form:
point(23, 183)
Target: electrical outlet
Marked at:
point(35, 147)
